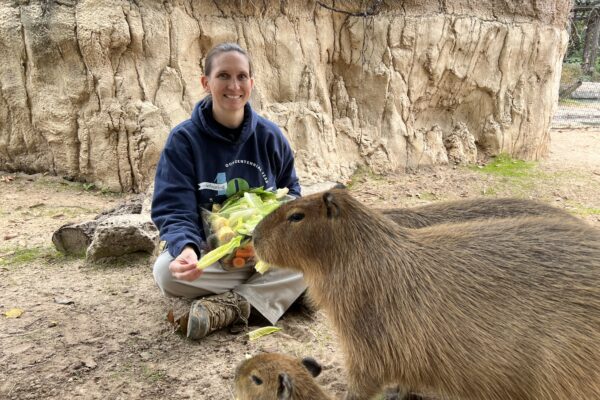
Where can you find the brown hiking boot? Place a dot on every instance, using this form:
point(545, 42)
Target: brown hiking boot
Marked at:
point(212, 313)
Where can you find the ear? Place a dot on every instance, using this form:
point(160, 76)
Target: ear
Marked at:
point(332, 208)
point(204, 82)
point(285, 389)
point(312, 366)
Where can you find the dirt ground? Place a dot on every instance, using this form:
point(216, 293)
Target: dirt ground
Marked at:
point(100, 332)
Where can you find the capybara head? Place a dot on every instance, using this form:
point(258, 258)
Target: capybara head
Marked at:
point(310, 230)
point(276, 376)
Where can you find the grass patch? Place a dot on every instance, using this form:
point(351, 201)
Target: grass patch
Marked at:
point(152, 374)
point(363, 174)
point(49, 211)
point(64, 185)
point(581, 210)
point(570, 72)
point(573, 103)
point(428, 196)
point(510, 177)
point(27, 255)
point(504, 165)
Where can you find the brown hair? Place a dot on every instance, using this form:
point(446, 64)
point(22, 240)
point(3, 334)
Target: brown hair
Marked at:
point(224, 48)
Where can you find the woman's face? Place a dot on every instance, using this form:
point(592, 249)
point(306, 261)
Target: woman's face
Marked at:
point(229, 83)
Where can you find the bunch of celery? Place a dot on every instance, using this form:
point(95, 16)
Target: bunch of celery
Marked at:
point(232, 223)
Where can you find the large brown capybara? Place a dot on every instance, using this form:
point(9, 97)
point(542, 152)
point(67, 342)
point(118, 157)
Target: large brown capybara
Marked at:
point(470, 209)
point(276, 376)
point(509, 310)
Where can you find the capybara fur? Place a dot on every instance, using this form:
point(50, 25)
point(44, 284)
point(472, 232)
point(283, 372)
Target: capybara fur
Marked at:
point(474, 310)
point(277, 376)
point(470, 209)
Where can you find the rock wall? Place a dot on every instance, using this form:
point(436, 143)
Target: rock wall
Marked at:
point(89, 89)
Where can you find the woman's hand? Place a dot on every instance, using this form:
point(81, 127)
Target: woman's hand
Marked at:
point(183, 267)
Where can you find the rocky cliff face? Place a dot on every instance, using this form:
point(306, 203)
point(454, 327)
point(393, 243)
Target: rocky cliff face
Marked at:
point(90, 88)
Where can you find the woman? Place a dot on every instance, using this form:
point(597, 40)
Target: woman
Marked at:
point(225, 146)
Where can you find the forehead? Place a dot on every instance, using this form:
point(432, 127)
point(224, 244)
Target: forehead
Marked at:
point(230, 61)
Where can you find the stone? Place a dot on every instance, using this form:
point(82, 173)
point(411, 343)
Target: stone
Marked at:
point(123, 234)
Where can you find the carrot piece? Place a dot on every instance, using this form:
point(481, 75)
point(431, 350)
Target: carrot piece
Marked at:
point(238, 262)
point(245, 252)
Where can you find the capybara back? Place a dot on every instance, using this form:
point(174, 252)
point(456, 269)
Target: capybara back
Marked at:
point(509, 310)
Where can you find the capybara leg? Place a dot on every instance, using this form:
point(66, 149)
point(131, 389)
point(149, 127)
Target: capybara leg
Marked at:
point(361, 392)
point(361, 386)
point(355, 396)
point(396, 393)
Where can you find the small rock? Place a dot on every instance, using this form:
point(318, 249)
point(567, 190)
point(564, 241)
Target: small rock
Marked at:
point(144, 355)
point(63, 301)
point(77, 365)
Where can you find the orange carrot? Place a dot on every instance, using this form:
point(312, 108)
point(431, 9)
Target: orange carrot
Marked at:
point(238, 262)
point(245, 252)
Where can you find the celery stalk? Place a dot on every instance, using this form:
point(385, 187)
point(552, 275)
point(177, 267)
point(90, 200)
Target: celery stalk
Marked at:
point(253, 199)
point(215, 255)
point(260, 332)
point(261, 267)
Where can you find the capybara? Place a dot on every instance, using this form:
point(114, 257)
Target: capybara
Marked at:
point(276, 376)
point(473, 310)
point(470, 209)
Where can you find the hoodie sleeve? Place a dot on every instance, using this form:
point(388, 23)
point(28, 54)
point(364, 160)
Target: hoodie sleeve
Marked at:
point(174, 204)
point(286, 176)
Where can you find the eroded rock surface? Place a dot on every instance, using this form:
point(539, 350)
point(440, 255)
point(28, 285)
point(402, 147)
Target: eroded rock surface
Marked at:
point(123, 234)
point(89, 89)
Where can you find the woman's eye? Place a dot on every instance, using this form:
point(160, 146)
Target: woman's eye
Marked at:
point(256, 380)
point(295, 217)
point(243, 77)
point(223, 76)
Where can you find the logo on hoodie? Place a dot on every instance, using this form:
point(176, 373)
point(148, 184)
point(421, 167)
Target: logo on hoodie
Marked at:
point(223, 187)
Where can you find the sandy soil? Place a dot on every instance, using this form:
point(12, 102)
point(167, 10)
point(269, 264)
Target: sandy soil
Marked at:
point(99, 331)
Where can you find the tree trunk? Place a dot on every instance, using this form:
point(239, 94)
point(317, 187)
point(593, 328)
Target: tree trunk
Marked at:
point(590, 46)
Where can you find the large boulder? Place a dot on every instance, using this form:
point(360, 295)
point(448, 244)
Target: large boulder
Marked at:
point(89, 89)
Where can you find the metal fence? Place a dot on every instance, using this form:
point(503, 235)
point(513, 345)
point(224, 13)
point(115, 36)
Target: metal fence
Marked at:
point(578, 106)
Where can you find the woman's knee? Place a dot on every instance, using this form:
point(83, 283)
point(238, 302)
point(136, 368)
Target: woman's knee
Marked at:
point(161, 272)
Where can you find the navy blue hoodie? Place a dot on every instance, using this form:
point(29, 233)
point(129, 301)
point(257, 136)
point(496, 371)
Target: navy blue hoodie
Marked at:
point(199, 166)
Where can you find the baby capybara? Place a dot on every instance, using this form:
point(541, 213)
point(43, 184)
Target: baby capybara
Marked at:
point(276, 376)
point(509, 310)
point(470, 209)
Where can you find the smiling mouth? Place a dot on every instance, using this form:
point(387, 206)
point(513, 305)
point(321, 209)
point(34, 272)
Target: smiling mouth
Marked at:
point(233, 97)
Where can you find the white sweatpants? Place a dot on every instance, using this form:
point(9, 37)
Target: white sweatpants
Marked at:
point(270, 294)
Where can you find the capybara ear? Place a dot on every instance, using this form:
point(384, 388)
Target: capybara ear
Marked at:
point(285, 389)
point(332, 208)
point(312, 366)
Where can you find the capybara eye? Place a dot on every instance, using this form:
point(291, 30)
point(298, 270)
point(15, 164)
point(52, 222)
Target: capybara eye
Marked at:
point(256, 380)
point(295, 217)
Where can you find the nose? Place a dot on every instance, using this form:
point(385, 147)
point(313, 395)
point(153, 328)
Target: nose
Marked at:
point(234, 83)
